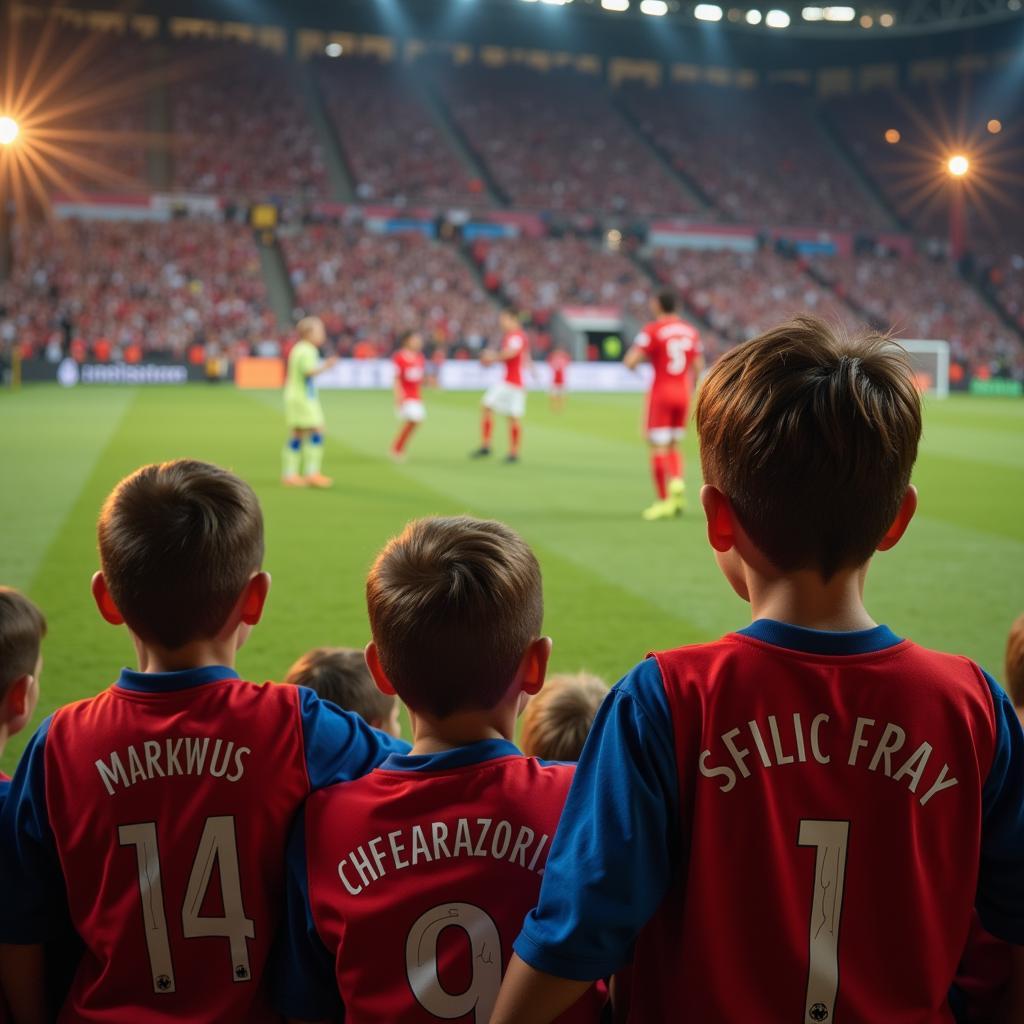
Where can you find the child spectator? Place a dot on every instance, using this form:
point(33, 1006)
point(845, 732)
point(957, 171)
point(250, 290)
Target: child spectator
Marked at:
point(124, 803)
point(340, 675)
point(22, 628)
point(557, 721)
point(794, 822)
point(405, 890)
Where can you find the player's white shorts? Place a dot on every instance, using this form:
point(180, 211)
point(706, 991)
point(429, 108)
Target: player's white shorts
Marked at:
point(506, 399)
point(665, 435)
point(412, 410)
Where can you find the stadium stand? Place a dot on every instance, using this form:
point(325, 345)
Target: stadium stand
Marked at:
point(554, 142)
point(757, 154)
point(369, 288)
point(114, 290)
point(405, 159)
point(241, 127)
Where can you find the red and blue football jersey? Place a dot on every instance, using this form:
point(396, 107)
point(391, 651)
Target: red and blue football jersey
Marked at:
point(790, 825)
point(155, 815)
point(407, 888)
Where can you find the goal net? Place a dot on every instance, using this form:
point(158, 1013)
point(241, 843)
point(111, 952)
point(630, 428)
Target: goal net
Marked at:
point(930, 362)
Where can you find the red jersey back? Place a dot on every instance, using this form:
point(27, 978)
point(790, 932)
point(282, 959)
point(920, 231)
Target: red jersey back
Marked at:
point(672, 345)
point(516, 343)
point(827, 832)
point(167, 800)
point(417, 879)
point(559, 362)
point(410, 368)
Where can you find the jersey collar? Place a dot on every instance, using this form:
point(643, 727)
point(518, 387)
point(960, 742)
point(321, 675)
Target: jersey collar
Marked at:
point(457, 757)
point(821, 641)
point(164, 682)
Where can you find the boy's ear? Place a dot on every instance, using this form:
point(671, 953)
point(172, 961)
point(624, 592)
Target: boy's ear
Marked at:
point(104, 601)
point(908, 506)
point(719, 514)
point(380, 677)
point(255, 597)
point(16, 703)
point(534, 666)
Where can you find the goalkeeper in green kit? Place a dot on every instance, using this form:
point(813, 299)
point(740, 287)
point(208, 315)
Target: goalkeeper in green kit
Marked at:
point(304, 452)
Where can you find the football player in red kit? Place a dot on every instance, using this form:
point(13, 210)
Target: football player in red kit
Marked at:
point(406, 891)
point(797, 821)
point(559, 361)
point(673, 348)
point(508, 396)
point(410, 371)
point(154, 815)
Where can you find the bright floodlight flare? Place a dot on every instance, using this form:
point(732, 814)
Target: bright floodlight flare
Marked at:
point(656, 8)
point(777, 19)
point(334, 49)
point(892, 136)
point(707, 12)
point(995, 126)
point(754, 17)
point(839, 13)
point(958, 165)
point(615, 5)
point(8, 130)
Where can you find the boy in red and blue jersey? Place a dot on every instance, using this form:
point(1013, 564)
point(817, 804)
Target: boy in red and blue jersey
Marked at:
point(407, 888)
point(154, 815)
point(795, 822)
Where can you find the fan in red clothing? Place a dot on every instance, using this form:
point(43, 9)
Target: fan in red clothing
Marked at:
point(410, 371)
point(508, 396)
point(674, 350)
point(559, 361)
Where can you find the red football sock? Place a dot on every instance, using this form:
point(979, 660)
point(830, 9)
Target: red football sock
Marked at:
point(659, 470)
point(486, 429)
point(515, 433)
point(675, 464)
point(403, 436)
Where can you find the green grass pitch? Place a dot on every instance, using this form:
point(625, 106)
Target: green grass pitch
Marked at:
point(615, 586)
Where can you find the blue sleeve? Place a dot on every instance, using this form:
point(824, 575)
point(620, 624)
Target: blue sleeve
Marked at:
point(1001, 878)
point(339, 745)
point(614, 853)
point(301, 969)
point(32, 894)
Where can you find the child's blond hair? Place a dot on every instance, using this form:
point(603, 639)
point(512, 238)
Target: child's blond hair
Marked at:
point(557, 721)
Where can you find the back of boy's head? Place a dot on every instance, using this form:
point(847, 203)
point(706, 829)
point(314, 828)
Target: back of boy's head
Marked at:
point(812, 435)
point(22, 628)
point(557, 721)
point(454, 604)
point(340, 675)
point(1015, 663)
point(178, 543)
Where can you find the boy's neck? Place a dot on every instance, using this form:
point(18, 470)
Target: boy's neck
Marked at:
point(804, 599)
point(434, 735)
point(200, 654)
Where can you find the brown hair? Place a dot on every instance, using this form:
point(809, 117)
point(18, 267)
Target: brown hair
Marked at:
point(557, 721)
point(454, 603)
point(178, 543)
point(339, 674)
point(22, 628)
point(1015, 663)
point(812, 435)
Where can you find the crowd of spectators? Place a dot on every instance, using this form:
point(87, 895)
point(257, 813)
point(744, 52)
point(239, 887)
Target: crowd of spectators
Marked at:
point(927, 299)
point(553, 141)
point(741, 294)
point(241, 125)
point(403, 158)
point(369, 288)
point(1001, 273)
point(758, 155)
point(119, 290)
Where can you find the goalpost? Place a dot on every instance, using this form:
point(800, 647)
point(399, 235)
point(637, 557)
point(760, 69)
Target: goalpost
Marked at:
point(930, 362)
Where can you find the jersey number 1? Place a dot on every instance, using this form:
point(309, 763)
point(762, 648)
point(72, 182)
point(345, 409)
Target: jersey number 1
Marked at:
point(217, 845)
point(830, 839)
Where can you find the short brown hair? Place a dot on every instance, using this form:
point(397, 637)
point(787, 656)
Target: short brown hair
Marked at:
point(454, 603)
point(340, 675)
point(22, 628)
point(178, 543)
point(1015, 663)
point(557, 721)
point(811, 433)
